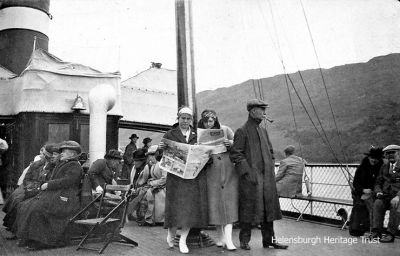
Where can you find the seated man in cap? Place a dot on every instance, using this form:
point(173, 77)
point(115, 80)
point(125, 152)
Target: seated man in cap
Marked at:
point(387, 190)
point(104, 171)
point(290, 174)
point(42, 220)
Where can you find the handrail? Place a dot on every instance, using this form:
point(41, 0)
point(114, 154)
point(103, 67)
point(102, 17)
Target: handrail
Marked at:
point(326, 181)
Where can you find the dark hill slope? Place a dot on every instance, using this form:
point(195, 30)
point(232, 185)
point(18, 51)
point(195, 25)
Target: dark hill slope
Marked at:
point(365, 98)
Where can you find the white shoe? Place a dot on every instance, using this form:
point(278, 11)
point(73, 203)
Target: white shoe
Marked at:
point(219, 244)
point(230, 247)
point(221, 235)
point(170, 241)
point(228, 238)
point(183, 247)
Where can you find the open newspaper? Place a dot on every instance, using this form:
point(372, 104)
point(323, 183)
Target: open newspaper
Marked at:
point(212, 137)
point(184, 160)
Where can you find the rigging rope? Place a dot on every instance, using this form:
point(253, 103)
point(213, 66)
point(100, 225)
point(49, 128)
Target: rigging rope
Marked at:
point(349, 177)
point(323, 81)
point(294, 116)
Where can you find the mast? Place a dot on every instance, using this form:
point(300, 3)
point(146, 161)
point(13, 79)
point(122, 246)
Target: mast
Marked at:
point(185, 56)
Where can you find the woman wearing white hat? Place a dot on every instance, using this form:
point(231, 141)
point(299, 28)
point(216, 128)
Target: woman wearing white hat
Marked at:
point(186, 199)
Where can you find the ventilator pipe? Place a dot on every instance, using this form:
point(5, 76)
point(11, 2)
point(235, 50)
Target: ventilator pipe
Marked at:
point(102, 98)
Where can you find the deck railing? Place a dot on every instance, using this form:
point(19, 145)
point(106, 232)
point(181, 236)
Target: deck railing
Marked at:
point(326, 180)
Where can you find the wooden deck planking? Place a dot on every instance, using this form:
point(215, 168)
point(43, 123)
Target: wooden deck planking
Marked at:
point(152, 243)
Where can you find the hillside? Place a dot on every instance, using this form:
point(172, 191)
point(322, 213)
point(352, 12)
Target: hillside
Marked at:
point(364, 98)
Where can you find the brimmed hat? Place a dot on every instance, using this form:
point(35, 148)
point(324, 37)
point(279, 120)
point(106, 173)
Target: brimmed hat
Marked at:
point(255, 103)
point(146, 140)
point(49, 149)
point(70, 144)
point(113, 154)
point(391, 147)
point(134, 136)
point(375, 153)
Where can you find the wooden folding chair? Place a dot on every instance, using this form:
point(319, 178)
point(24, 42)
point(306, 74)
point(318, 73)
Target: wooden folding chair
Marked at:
point(112, 223)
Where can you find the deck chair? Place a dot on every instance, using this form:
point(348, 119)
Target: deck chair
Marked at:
point(111, 223)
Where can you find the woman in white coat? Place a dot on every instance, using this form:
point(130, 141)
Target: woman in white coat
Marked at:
point(222, 184)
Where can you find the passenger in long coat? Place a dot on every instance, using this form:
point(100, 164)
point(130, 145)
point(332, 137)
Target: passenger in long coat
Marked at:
point(186, 199)
point(364, 181)
point(43, 219)
point(18, 195)
point(128, 157)
point(38, 173)
point(222, 183)
point(252, 154)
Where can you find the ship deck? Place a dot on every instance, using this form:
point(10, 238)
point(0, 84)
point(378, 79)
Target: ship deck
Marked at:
point(303, 238)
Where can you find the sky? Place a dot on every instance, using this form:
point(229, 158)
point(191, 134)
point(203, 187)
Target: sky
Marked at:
point(234, 40)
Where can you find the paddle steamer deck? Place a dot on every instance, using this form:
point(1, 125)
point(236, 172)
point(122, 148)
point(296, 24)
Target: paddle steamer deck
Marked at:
point(303, 238)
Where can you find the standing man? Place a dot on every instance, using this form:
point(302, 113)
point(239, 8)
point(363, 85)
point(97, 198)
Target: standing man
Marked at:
point(128, 157)
point(254, 160)
point(387, 191)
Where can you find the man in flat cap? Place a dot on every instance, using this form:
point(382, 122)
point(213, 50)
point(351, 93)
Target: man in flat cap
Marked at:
point(128, 157)
point(387, 190)
point(254, 160)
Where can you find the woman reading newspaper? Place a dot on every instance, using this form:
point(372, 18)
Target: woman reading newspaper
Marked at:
point(222, 182)
point(186, 199)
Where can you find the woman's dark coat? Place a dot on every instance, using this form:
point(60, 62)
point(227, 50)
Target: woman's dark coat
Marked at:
point(252, 152)
point(365, 176)
point(44, 218)
point(36, 175)
point(186, 199)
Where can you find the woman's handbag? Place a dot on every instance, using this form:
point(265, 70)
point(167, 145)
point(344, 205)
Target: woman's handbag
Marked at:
point(32, 189)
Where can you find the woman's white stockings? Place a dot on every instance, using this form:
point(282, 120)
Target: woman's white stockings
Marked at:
point(182, 241)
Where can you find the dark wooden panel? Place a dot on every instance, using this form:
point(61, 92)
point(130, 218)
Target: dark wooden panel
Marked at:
point(32, 130)
point(58, 132)
point(84, 137)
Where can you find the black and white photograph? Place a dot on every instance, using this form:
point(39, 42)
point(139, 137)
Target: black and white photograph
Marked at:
point(201, 127)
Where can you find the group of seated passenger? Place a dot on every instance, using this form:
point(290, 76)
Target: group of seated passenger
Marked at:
point(37, 212)
point(149, 205)
point(150, 180)
point(377, 186)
